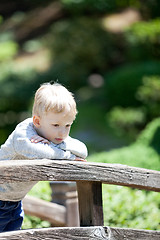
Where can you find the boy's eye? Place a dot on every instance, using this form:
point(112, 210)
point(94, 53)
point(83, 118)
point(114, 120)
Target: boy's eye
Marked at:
point(68, 125)
point(55, 125)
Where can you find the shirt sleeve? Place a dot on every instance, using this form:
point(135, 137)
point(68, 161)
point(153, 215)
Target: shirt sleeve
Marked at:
point(23, 146)
point(75, 146)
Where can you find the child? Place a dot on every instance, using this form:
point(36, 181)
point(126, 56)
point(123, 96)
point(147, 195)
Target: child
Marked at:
point(45, 135)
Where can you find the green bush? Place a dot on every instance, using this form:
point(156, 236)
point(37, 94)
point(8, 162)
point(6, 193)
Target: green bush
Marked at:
point(122, 83)
point(142, 32)
point(150, 137)
point(142, 40)
point(128, 208)
point(129, 121)
point(149, 92)
point(144, 153)
point(126, 121)
point(34, 222)
point(149, 95)
point(134, 155)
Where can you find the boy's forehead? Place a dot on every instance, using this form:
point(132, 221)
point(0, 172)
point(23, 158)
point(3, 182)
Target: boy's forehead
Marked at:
point(64, 115)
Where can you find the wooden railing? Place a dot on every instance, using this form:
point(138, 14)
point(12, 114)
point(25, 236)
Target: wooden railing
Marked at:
point(89, 178)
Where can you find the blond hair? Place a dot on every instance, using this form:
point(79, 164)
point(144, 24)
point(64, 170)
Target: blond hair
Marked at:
point(53, 97)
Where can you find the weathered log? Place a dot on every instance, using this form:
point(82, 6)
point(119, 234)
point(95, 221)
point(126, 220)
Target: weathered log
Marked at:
point(52, 212)
point(90, 233)
point(56, 170)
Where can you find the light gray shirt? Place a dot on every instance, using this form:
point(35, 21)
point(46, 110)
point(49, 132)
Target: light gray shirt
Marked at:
point(19, 146)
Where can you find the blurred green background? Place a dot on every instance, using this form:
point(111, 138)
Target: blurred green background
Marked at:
point(107, 52)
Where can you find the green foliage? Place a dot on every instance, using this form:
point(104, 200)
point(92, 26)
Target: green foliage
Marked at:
point(142, 40)
point(144, 153)
point(123, 82)
point(34, 222)
point(41, 190)
point(15, 88)
point(135, 155)
point(8, 50)
point(150, 135)
point(128, 120)
point(32, 46)
point(149, 92)
point(128, 208)
point(141, 32)
point(149, 95)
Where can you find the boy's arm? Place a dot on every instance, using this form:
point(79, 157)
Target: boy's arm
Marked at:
point(79, 154)
point(40, 150)
point(75, 146)
point(23, 146)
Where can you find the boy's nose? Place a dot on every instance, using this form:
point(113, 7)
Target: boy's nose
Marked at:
point(62, 132)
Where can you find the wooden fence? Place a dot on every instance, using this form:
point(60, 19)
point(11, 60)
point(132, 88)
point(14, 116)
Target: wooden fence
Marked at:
point(62, 211)
point(89, 178)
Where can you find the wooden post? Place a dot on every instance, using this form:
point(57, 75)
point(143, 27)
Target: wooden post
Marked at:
point(65, 193)
point(90, 203)
point(72, 212)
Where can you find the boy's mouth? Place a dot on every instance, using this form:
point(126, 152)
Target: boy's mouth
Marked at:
point(59, 139)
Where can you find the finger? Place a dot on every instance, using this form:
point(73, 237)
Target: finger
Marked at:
point(34, 138)
point(81, 159)
point(45, 141)
point(37, 139)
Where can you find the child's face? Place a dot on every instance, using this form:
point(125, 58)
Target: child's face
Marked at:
point(54, 126)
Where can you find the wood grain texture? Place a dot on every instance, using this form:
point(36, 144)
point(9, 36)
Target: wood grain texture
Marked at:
point(90, 203)
point(132, 234)
point(56, 170)
point(90, 233)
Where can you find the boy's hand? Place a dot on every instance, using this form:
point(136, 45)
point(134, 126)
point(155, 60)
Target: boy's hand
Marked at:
point(80, 159)
point(37, 138)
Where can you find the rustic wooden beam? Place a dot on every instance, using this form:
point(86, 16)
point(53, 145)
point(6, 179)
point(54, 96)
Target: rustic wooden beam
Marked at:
point(90, 233)
point(52, 212)
point(132, 234)
point(90, 203)
point(56, 170)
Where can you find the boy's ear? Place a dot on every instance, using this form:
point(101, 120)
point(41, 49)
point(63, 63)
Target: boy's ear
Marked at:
point(36, 121)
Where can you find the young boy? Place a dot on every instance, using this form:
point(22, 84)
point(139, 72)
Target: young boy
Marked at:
point(45, 135)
